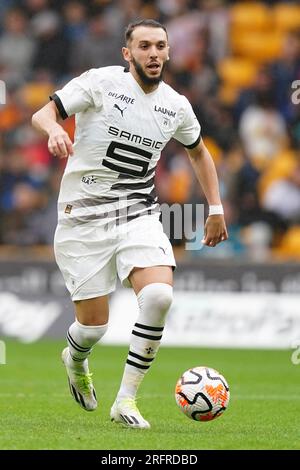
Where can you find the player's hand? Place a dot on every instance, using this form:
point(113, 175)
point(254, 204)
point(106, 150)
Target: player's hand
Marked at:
point(215, 230)
point(59, 143)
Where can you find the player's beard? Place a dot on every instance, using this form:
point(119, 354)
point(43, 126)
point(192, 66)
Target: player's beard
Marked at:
point(145, 78)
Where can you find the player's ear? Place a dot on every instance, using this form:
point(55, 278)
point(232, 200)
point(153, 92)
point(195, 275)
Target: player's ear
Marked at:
point(126, 53)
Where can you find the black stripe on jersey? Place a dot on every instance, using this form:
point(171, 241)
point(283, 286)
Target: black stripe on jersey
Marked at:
point(60, 107)
point(82, 219)
point(141, 358)
point(98, 201)
point(132, 209)
point(124, 220)
point(149, 328)
point(146, 184)
point(121, 220)
point(134, 364)
point(119, 215)
point(148, 197)
point(88, 202)
point(142, 335)
point(149, 173)
point(194, 144)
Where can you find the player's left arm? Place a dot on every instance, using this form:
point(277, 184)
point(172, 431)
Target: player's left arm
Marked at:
point(215, 230)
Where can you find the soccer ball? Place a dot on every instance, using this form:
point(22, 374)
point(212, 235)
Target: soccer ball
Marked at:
point(202, 393)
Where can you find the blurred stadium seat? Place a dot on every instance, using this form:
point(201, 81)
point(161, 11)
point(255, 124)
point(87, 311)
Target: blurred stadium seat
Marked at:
point(228, 94)
point(35, 94)
point(250, 16)
point(214, 149)
point(289, 247)
point(286, 16)
point(180, 182)
point(258, 46)
point(279, 168)
point(237, 72)
point(10, 117)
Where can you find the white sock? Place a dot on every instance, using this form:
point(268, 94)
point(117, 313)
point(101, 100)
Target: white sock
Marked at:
point(154, 301)
point(81, 339)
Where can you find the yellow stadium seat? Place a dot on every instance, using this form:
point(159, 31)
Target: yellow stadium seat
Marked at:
point(280, 167)
point(214, 149)
point(180, 182)
point(258, 46)
point(35, 94)
point(289, 246)
point(250, 16)
point(286, 16)
point(237, 72)
point(10, 117)
point(228, 94)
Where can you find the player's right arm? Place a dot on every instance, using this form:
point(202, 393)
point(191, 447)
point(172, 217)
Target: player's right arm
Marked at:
point(46, 120)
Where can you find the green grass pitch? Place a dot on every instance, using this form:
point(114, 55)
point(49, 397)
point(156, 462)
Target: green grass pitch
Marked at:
point(37, 411)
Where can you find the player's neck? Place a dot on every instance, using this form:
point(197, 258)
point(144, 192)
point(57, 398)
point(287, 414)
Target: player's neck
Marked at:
point(146, 87)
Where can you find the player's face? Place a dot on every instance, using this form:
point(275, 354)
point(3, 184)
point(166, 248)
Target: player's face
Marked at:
point(147, 53)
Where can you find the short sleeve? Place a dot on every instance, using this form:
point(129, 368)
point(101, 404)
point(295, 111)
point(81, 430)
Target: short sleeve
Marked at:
point(188, 131)
point(77, 96)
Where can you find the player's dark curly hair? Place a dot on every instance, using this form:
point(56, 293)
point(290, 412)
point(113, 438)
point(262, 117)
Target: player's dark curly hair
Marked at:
point(148, 22)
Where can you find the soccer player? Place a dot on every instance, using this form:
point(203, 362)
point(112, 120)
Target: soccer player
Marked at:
point(108, 215)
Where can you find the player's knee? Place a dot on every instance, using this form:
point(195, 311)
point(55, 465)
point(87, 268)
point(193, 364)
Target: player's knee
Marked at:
point(90, 333)
point(91, 313)
point(164, 299)
point(160, 296)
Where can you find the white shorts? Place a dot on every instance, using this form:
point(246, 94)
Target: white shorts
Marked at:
point(90, 258)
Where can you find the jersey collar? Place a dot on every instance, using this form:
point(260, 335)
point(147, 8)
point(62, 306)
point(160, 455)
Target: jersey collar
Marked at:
point(136, 85)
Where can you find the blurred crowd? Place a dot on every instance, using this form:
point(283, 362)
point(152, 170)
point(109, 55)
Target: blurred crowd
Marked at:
point(237, 62)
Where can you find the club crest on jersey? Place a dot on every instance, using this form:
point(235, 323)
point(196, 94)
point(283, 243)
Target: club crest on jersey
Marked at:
point(164, 111)
point(90, 179)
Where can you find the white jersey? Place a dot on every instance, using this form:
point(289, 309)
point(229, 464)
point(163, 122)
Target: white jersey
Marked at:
point(120, 133)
